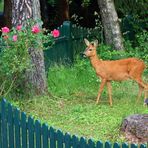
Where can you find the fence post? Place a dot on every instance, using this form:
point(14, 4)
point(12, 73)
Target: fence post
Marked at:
point(67, 32)
point(4, 124)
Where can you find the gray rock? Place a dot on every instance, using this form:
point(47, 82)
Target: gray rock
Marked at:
point(135, 128)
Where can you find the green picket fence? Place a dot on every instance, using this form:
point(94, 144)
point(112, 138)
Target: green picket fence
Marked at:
point(70, 43)
point(19, 131)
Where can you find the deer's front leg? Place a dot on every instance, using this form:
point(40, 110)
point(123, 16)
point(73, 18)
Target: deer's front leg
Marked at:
point(109, 92)
point(103, 82)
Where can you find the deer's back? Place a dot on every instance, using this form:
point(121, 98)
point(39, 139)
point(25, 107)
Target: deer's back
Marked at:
point(119, 70)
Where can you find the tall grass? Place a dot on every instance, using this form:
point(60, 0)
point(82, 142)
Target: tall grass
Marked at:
point(80, 79)
point(67, 81)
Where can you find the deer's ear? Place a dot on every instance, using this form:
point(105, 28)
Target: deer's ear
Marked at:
point(95, 43)
point(86, 42)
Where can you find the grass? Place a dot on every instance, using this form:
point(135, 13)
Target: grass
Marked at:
point(72, 107)
point(1, 6)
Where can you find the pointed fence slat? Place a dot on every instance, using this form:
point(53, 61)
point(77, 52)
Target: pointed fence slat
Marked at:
point(91, 143)
point(143, 145)
point(31, 132)
point(52, 137)
point(83, 143)
point(116, 145)
point(99, 144)
point(10, 126)
point(38, 134)
point(24, 130)
point(75, 141)
point(108, 144)
point(60, 138)
point(134, 146)
point(125, 145)
point(45, 136)
point(17, 127)
point(4, 125)
point(67, 140)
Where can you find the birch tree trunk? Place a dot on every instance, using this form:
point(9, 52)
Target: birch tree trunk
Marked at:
point(15, 13)
point(110, 23)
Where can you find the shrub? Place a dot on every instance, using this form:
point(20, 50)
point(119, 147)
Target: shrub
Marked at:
point(15, 57)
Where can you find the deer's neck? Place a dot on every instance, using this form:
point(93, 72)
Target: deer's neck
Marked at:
point(95, 61)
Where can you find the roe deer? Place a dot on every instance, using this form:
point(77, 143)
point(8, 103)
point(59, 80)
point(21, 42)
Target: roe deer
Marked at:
point(115, 70)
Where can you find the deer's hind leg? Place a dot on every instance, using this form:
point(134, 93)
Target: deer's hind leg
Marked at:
point(136, 74)
point(140, 92)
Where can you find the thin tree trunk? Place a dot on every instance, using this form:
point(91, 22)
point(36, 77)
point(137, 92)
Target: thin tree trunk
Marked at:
point(8, 13)
point(44, 12)
point(110, 23)
point(18, 12)
point(62, 10)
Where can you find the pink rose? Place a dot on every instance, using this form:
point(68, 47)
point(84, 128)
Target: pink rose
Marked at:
point(14, 38)
point(35, 29)
point(5, 30)
point(55, 33)
point(19, 27)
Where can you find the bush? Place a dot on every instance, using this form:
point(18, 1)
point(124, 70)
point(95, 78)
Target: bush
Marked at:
point(15, 58)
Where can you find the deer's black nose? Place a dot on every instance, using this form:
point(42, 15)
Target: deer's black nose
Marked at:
point(82, 55)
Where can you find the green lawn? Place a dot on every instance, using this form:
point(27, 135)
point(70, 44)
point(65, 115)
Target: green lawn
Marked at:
point(72, 107)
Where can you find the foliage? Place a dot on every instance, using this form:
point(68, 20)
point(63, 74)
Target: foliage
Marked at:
point(139, 50)
point(135, 7)
point(15, 58)
point(134, 16)
point(142, 45)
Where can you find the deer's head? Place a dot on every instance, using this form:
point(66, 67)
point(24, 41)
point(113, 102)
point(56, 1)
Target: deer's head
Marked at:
point(90, 50)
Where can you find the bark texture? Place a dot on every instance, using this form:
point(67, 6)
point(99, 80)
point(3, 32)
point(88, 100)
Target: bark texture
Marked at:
point(24, 9)
point(135, 128)
point(110, 23)
point(19, 11)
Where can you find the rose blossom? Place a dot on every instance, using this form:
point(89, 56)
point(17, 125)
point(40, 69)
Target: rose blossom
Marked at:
point(5, 30)
point(35, 29)
point(55, 33)
point(14, 38)
point(19, 27)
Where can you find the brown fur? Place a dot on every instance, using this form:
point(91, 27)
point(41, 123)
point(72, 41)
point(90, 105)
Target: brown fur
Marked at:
point(115, 70)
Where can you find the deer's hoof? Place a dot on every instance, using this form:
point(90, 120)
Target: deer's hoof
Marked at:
point(97, 102)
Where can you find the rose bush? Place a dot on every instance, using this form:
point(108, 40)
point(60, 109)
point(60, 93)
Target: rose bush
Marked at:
point(14, 53)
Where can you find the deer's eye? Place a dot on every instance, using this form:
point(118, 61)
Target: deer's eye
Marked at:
point(90, 49)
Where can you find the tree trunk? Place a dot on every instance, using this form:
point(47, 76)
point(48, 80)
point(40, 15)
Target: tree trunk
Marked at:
point(62, 11)
point(7, 13)
point(15, 14)
point(44, 12)
point(110, 23)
